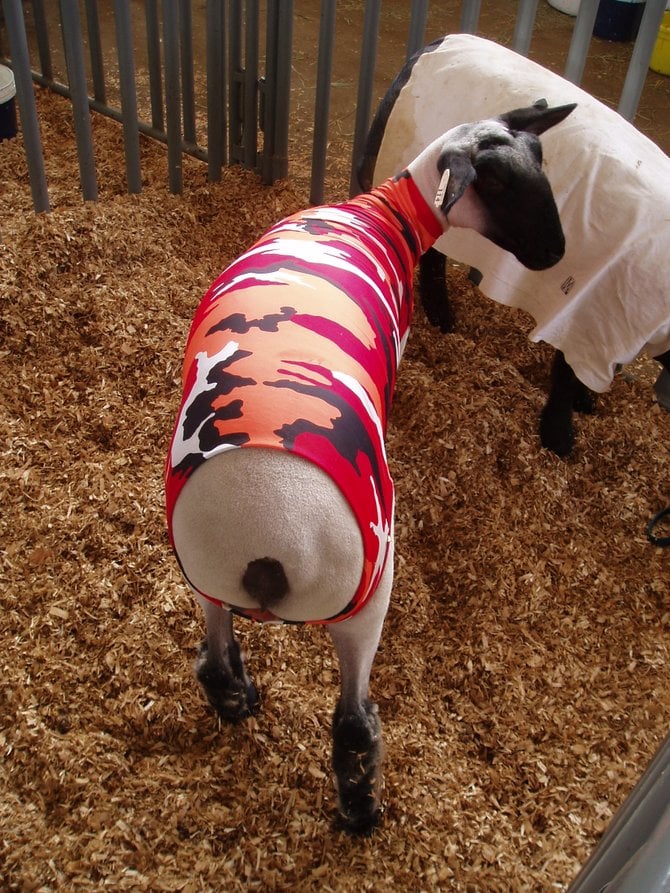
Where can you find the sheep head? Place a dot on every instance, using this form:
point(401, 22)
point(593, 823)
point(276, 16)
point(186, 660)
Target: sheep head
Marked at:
point(493, 182)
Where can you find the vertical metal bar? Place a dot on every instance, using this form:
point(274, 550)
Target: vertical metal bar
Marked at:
point(639, 63)
point(581, 39)
point(632, 826)
point(172, 105)
point(250, 96)
point(284, 59)
point(235, 74)
point(131, 132)
point(417, 27)
point(282, 89)
point(365, 84)
point(215, 49)
point(95, 50)
point(322, 100)
point(187, 88)
point(18, 46)
point(523, 29)
point(268, 97)
point(470, 16)
point(154, 63)
point(279, 40)
point(42, 35)
point(76, 72)
point(649, 869)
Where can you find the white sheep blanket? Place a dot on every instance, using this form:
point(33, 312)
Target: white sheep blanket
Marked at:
point(608, 299)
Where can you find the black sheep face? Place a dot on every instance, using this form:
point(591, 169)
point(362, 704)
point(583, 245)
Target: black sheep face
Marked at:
point(510, 195)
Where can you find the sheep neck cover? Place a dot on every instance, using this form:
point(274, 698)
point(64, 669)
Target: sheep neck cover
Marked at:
point(296, 346)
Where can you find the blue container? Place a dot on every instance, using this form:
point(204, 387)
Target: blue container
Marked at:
point(7, 104)
point(618, 19)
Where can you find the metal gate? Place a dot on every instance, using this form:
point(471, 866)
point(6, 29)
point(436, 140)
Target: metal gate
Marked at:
point(244, 116)
point(240, 102)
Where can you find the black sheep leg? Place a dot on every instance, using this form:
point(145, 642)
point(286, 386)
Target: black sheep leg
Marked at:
point(567, 394)
point(357, 734)
point(661, 386)
point(357, 751)
point(664, 360)
point(434, 292)
point(219, 668)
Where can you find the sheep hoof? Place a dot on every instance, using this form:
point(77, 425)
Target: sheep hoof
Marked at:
point(584, 403)
point(556, 433)
point(442, 318)
point(233, 698)
point(357, 753)
point(362, 825)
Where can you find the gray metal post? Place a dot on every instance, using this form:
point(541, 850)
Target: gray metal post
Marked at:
point(215, 49)
point(18, 46)
point(639, 63)
point(581, 39)
point(76, 72)
point(277, 91)
point(365, 85)
point(417, 27)
point(641, 822)
point(283, 89)
point(235, 82)
point(131, 133)
point(649, 870)
point(154, 63)
point(523, 29)
point(172, 105)
point(267, 96)
point(95, 50)
point(322, 100)
point(187, 76)
point(250, 94)
point(42, 35)
point(470, 16)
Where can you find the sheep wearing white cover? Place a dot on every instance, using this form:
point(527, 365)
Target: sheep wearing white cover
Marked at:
point(279, 498)
point(608, 298)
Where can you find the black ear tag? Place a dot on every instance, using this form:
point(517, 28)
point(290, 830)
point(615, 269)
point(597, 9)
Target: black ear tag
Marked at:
point(442, 188)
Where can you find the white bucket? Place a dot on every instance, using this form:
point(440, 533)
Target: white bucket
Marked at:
point(7, 103)
point(570, 7)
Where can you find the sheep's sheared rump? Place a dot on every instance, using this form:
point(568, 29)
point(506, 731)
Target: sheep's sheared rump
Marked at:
point(608, 299)
point(296, 346)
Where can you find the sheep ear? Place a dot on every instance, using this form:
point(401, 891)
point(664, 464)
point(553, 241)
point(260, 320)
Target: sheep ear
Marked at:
point(457, 174)
point(537, 118)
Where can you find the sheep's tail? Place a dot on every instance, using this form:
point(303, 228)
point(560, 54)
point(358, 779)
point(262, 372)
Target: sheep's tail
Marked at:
point(265, 581)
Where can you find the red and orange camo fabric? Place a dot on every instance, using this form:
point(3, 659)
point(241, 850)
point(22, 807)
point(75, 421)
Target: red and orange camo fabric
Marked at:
point(296, 347)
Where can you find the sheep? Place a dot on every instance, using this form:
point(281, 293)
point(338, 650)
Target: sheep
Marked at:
point(607, 300)
point(278, 494)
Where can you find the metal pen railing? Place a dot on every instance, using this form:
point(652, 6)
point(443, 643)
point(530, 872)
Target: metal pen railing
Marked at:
point(241, 101)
